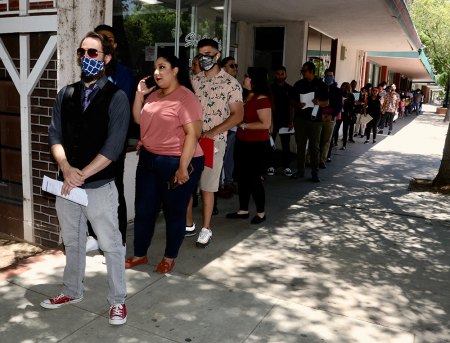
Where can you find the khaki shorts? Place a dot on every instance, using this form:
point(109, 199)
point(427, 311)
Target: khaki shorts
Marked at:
point(209, 181)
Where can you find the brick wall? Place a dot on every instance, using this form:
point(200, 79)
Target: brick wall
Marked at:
point(46, 227)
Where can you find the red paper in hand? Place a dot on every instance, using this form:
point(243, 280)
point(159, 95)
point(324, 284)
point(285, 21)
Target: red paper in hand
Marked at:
point(207, 145)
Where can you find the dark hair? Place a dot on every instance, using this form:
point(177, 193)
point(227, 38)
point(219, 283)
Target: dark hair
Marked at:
point(328, 70)
point(280, 68)
point(207, 42)
point(104, 27)
point(345, 89)
point(260, 83)
point(107, 47)
point(226, 60)
point(183, 74)
point(310, 66)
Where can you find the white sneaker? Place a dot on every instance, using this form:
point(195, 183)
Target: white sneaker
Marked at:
point(91, 244)
point(271, 171)
point(190, 231)
point(287, 171)
point(204, 238)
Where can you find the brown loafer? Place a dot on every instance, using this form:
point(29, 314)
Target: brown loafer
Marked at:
point(130, 262)
point(165, 266)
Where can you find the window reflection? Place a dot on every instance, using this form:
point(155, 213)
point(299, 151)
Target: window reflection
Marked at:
point(148, 27)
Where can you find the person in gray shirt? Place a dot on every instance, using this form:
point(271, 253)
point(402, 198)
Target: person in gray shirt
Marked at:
point(86, 136)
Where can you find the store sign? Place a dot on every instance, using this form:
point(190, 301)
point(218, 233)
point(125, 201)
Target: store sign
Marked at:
point(192, 40)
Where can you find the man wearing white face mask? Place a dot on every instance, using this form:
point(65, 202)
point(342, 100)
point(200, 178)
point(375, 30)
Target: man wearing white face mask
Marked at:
point(86, 136)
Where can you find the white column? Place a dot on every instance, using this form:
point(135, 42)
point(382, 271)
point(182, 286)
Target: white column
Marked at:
point(75, 19)
point(296, 45)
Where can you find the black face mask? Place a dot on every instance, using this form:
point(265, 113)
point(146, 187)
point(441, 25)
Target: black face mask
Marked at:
point(206, 62)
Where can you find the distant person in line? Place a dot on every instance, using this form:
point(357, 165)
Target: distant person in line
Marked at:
point(374, 110)
point(252, 142)
point(282, 117)
point(308, 123)
point(228, 189)
point(329, 114)
point(348, 114)
point(390, 107)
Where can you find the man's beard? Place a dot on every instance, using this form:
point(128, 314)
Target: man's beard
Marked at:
point(89, 79)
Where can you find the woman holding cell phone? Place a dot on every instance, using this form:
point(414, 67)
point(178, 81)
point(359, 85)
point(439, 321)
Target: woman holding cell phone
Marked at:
point(170, 159)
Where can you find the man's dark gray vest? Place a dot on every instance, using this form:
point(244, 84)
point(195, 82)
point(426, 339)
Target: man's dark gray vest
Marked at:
point(85, 133)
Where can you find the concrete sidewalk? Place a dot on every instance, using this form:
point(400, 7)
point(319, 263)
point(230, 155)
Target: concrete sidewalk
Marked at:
point(355, 258)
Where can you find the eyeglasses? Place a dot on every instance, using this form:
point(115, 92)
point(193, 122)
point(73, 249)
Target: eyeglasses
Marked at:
point(92, 53)
point(233, 66)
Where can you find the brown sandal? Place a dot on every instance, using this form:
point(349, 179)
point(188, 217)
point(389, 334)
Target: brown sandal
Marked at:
point(165, 266)
point(130, 262)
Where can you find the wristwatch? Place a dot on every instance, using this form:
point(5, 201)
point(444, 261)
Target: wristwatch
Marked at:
point(243, 126)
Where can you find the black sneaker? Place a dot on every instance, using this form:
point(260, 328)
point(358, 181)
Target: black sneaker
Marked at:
point(315, 178)
point(322, 165)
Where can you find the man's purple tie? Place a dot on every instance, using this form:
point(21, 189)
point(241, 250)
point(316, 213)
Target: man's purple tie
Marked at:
point(87, 96)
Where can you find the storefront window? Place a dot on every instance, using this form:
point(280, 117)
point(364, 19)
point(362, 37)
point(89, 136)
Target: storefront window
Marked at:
point(319, 51)
point(148, 27)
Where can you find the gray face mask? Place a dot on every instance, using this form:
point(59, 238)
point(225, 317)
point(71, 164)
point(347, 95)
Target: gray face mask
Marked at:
point(206, 62)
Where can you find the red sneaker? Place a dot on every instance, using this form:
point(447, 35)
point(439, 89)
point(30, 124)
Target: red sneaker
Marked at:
point(118, 314)
point(58, 301)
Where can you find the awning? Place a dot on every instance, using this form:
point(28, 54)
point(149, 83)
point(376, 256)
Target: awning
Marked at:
point(413, 64)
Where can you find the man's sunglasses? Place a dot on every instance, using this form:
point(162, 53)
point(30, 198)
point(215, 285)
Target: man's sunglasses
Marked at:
point(92, 53)
point(233, 66)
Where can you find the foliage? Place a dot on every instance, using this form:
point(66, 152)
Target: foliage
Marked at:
point(432, 20)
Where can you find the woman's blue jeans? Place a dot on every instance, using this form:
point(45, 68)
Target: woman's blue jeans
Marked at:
point(152, 189)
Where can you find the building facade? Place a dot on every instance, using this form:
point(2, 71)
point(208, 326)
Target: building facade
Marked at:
point(38, 40)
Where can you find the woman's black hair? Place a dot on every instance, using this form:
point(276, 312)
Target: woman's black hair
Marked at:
point(260, 82)
point(183, 73)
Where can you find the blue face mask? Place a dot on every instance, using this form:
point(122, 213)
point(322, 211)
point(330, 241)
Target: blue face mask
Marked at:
point(91, 67)
point(329, 80)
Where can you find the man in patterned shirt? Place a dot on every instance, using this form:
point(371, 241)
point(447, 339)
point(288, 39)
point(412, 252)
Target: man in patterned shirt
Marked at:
point(390, 106)
point(221, 99)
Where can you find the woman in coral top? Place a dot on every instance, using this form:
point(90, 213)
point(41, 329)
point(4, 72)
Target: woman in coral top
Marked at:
point(252, 144)
point(170, 159)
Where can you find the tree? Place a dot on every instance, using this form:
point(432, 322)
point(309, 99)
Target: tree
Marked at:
point(432, 20)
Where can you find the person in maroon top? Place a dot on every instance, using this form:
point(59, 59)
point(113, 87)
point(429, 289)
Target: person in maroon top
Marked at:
point(252, 143)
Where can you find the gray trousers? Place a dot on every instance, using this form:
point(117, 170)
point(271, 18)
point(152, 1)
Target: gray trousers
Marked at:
point(102, 213)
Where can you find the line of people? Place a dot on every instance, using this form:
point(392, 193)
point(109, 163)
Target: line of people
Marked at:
point(194, 131)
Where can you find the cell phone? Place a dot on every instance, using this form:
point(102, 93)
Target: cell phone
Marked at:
point(172, 184)
point(150, 81)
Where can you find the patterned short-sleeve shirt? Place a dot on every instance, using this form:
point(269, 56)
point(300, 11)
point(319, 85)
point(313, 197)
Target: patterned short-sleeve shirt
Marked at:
point(216, 95)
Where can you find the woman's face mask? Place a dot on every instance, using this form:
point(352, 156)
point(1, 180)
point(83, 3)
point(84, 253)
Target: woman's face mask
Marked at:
point(90, 66)
point(206, 62)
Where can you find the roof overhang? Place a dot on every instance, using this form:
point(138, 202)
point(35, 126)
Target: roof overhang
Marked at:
point(375, 26)
point(413, 64)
